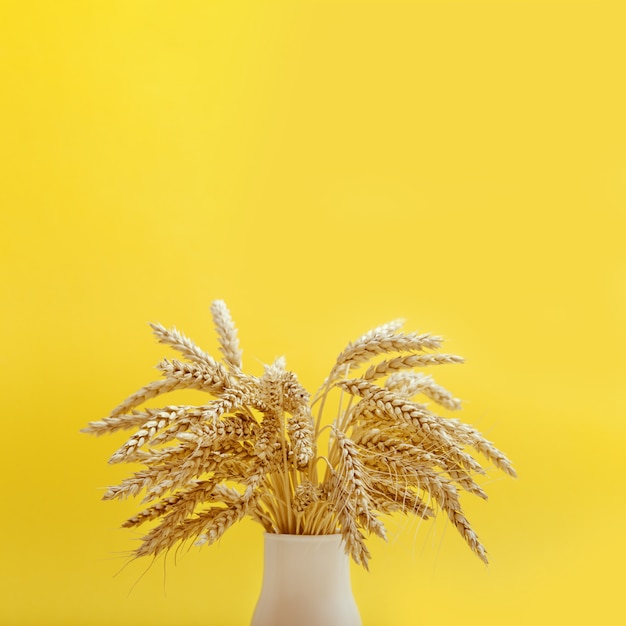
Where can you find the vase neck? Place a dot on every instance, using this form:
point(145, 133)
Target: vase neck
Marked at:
point(317, 560)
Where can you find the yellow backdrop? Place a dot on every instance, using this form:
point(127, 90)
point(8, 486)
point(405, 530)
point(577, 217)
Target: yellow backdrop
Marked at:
point(323, 167)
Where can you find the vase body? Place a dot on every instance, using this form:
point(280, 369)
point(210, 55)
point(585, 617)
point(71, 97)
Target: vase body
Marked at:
point(306, 582)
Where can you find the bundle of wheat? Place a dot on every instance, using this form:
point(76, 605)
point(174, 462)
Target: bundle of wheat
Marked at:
point(253, 448)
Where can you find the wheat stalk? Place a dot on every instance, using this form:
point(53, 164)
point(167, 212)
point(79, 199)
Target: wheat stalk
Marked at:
point(410, 384)
point(227, 333)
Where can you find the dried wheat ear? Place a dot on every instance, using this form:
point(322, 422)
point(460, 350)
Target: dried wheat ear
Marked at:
point(252, 448)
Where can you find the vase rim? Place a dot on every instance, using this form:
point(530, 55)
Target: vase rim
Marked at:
point(293, 537)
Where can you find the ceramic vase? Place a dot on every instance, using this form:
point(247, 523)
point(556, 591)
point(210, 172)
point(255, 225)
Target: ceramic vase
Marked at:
point(306, 582)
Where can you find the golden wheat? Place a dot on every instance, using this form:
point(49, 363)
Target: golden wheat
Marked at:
point(253, 448)
point(227, 334)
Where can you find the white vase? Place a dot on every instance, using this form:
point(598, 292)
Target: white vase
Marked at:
point(306, 582)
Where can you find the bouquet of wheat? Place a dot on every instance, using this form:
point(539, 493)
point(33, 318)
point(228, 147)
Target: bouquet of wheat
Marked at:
point(253, 448)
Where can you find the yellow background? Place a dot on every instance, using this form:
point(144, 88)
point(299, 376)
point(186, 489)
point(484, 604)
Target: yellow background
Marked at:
point(323, 167)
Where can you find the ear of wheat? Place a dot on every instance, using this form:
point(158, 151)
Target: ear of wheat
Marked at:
point(252, 448)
